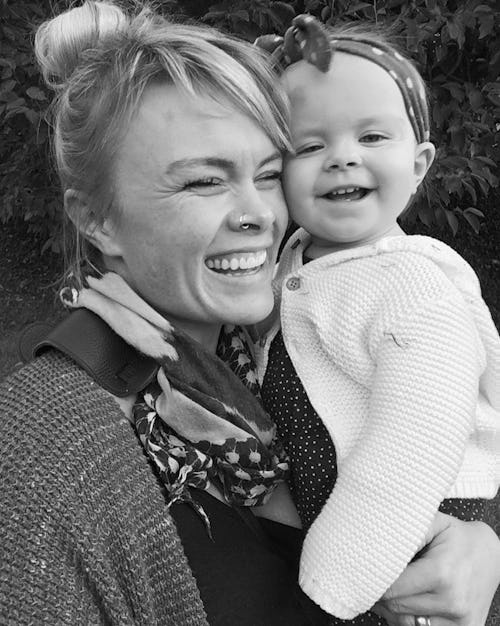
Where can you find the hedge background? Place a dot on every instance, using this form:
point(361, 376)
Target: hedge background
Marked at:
point(455, 44)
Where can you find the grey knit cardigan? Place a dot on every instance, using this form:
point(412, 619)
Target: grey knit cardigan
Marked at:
point(85, 536)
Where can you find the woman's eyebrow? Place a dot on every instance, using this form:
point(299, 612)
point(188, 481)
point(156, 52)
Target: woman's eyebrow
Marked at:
point(275, 156)
point(218, 162)
point(200, 161)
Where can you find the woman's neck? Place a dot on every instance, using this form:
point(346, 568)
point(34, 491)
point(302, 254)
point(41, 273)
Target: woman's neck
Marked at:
point(206, 334)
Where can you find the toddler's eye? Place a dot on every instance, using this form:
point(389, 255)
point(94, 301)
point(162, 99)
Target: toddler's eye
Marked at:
point(372, 138)
point(308, 149)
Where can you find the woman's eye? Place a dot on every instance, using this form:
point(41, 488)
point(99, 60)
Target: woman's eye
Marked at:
point(203, 183)
point(372, 138)
point(269, 179)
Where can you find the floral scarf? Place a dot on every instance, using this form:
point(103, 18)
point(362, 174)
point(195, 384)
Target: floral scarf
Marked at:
point(200, 420)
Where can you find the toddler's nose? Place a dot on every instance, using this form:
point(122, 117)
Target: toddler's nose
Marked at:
point(342, 156)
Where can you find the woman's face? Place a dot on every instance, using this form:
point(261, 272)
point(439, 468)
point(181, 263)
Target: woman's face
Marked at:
point(186, 172)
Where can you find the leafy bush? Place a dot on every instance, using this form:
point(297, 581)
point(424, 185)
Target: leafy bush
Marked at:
point(455, 44)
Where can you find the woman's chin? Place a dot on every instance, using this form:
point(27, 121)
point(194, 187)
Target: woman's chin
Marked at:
point(256, 310)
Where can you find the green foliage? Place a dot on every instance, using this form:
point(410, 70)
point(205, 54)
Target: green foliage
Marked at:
point(29, 187)
point(455, 44)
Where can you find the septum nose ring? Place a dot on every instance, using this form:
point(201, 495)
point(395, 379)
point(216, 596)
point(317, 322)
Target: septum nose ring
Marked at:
point(246, 222)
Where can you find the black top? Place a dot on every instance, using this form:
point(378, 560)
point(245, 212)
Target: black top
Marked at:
point(247, 575)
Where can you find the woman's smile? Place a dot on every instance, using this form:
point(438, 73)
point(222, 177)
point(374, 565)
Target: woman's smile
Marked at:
point(240, 263)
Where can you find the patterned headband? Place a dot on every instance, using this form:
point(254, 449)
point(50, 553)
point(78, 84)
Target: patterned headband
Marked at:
point(308, 40)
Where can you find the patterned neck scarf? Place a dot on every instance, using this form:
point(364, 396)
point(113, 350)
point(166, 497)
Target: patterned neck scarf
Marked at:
point(200, 420)
point(308, 40)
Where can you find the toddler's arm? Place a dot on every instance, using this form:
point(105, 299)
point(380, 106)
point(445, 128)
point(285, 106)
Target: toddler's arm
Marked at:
point(422, 408)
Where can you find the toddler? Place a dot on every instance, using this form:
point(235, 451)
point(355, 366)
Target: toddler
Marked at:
point(383, 374)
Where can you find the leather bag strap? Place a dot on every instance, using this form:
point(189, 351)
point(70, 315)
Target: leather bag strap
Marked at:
point(115, 366)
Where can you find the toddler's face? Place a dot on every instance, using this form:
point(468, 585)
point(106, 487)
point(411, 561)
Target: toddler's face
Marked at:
point(356, 162)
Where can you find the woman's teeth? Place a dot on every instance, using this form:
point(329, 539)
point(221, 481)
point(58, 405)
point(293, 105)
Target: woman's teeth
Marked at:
point(236, 262)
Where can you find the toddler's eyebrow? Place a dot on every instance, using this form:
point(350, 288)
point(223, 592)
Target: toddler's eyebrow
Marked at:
point(380, 119)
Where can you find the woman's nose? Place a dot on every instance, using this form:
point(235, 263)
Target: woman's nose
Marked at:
point(253, 214)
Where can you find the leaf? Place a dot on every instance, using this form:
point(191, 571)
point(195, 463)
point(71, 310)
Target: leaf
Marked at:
point(358, 6)
point(483, 184)
point(486, 160)
point(475, 99)
point(426, 214)
point(471, 190)
point(482, 8)
point(32, 116)
point(452, 221)
point(16, 104)
point(7, 85)
point(472, 209)
point(35, 93)
point(456, 90)
point(8, 63)
point(456, 30)
point(457, 135)
point(283, 11)
point(325, 13)
point(495, 58)
point(486, 25)
point(473, 221)
point(391, 4)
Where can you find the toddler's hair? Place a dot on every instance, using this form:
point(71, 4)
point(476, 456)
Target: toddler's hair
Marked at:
point(373, 45)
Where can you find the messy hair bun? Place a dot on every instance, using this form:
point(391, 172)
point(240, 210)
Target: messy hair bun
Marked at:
point(61, 41)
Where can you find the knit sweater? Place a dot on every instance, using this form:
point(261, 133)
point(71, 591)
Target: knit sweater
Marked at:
point(400, 358)
point(85, 535)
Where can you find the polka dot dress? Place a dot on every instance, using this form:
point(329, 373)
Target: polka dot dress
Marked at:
point(305, 438)
point(303, 434)
point(313, 459)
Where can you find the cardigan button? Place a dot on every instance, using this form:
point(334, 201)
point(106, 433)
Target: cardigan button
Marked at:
point(293, 283)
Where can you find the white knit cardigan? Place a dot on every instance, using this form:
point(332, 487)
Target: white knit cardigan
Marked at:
point(400, 358)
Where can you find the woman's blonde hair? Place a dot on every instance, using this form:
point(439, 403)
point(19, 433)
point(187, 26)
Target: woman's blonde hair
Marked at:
point(99, 59)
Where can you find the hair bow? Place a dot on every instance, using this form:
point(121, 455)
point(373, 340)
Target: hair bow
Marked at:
point(306, 39)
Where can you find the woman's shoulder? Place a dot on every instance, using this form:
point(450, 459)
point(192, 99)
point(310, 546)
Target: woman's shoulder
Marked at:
point(49, 390)
point(56, 424)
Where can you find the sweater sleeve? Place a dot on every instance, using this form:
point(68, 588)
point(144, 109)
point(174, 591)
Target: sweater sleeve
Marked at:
point(44, 575)
point(422, 404)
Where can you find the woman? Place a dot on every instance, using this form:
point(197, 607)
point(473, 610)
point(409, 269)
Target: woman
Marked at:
point(168, 141)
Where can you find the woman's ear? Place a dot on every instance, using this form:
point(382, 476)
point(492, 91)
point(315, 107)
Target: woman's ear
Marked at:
point(100, 233)
point(424, 156)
